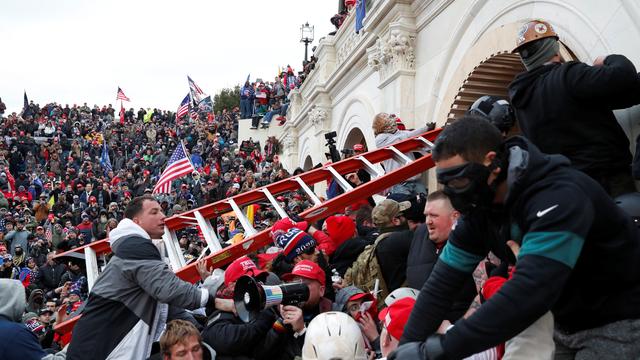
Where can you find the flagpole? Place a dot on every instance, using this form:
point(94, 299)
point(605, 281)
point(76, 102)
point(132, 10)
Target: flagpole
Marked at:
point(187, 154)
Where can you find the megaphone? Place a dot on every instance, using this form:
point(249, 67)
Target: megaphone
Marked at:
point(251, 297)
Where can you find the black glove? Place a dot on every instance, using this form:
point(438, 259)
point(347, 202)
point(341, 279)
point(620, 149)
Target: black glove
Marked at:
point(429, 350)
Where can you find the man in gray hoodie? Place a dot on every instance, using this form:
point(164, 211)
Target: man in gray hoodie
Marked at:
point(136, 294)
point(24, 344)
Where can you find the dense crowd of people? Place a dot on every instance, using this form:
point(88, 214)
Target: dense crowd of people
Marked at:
point(265, 101)
point(495, 265)
point(57, 194)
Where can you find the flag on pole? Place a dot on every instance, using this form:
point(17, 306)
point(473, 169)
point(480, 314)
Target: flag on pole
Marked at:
point(361, 12)
point(121, 95)
point(193, 113)
point(248, 77)
point(121, 113)
point(184, 107)
point(48, 232)
point(196, 92)
point(105, 161)
point(179, 165)
point(206, 105)
point(26, 111)
point(51, 202)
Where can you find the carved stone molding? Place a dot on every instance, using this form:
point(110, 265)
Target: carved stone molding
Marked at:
point(318, 116)
point(290, 142)
point(392, 53)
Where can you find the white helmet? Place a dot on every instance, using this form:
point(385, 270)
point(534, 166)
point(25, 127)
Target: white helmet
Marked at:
point(333, 336)
point(400, 293)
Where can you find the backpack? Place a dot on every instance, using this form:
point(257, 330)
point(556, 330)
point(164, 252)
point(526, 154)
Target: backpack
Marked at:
point(366, 269)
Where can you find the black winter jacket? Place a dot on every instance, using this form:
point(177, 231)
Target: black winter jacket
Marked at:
point(567, 109)
point(234, 339)
point(578, 258)
point(392, 255)
point(423, 256)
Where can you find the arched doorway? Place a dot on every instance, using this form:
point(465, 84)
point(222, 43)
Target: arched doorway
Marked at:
point(355, 136)
point(308, 163)
point(492, 77)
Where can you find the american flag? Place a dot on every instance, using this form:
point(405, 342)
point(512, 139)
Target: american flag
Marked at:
point(193, 114)
point(184, 107)
point(195, 88)
point(121, 95)
point(179, 165)
point(48, 233)
point(195, 91)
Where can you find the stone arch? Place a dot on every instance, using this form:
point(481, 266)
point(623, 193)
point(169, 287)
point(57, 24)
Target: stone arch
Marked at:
point(485, 31)
point(308, 163)
point(357, 114)
point(355, 136)
point(305, 153)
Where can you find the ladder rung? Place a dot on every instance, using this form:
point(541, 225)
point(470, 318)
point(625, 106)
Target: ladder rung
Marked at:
point(369, 167)
point(399, 155)
point(173, 249)
point(426, 142)
point(274, 203)
point(91, 261)
point(307, 190)
point(248, 227)
point(339, 179)
point(208, 232)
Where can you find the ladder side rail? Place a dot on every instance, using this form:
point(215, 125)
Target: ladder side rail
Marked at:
point(252, 243)
point(262, 238)
point(312, 177)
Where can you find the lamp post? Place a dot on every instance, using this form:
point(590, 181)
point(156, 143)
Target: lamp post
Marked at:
point(306, 37)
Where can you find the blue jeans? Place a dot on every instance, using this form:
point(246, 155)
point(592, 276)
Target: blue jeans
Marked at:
point(268, 116)
point(245, 108)
point(283, 109)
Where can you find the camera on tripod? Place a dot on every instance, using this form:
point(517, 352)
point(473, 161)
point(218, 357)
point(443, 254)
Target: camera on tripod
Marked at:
point(334, 154)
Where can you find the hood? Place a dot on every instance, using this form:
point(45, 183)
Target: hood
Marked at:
point(126, 227)
point(520, 89)
point(12, 299)
point(342, 297)
point(527, 165)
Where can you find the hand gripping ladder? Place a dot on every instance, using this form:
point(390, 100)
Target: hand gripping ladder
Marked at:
point(254, 239)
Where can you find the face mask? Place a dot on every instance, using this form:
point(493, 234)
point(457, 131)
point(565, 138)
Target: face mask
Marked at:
point(466, 186)
point(103, 219)
point(19, 251)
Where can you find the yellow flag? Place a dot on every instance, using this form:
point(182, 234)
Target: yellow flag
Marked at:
point(250, 213)
point(51, 201)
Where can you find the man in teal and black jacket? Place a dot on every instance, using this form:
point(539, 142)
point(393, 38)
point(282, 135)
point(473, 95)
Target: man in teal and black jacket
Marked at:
point(578, 252)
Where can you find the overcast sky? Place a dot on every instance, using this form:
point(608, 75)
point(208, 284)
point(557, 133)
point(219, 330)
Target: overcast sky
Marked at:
point(76, 51)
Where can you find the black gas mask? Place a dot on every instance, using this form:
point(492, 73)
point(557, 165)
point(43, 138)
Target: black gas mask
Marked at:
point(466, 186)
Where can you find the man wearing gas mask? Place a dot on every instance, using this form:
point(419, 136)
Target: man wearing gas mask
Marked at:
point(573, 240)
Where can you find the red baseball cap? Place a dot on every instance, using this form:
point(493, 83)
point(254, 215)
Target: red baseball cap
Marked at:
point(241, 266)
point(358, 147)
point(395, 317)
point(308, 270)
point(286, 224)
